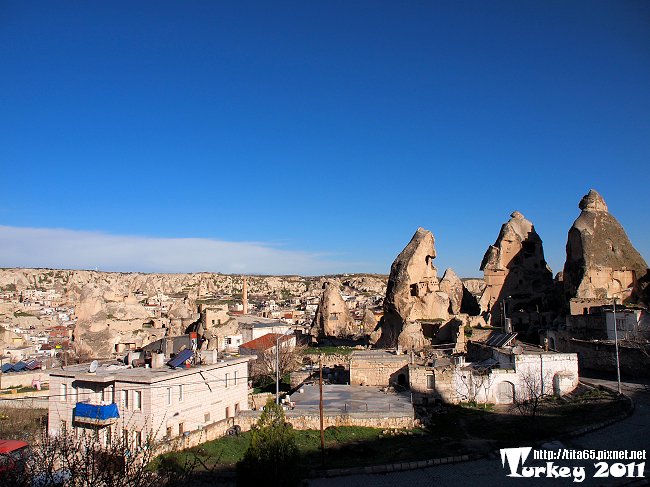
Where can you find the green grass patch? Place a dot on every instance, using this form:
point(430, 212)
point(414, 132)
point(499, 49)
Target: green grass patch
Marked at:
point(19, 314)
point(345, 446)
point(328, 350)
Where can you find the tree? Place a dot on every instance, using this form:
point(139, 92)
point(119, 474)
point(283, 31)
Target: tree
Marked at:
point(90, 458)
point(290, 360)
point(534, 387)
point(272, 457)
point(472, 381)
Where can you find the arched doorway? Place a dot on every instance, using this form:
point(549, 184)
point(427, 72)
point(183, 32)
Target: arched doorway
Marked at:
point(505, 393)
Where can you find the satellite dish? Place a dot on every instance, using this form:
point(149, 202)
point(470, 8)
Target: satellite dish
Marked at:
point(93, 366)
point(517, 350)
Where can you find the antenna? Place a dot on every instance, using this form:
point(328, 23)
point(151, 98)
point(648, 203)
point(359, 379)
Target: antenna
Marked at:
point(93, 367)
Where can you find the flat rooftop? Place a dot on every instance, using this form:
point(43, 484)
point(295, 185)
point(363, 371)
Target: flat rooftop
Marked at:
point(119, 372)
point(342, 398)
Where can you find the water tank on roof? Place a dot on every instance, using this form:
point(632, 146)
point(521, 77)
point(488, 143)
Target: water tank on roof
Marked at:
point(157, 360)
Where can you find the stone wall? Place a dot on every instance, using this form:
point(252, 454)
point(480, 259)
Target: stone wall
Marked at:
point(429, 384)
point(246, 419)
point(599, 355)
point(23, 379)
point(378, 368)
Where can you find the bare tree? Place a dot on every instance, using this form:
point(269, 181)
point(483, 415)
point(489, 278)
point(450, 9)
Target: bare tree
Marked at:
point(534, 387)
point(290, 359)
point(96, 457)
point(474, 381)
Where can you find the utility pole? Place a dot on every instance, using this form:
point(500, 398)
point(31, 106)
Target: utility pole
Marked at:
point(277, 370)
point(320, 408)
point(618, 364)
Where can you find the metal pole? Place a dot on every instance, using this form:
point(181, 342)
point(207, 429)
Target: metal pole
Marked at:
point(320, 408)
point(277, 370)
point(618, 364)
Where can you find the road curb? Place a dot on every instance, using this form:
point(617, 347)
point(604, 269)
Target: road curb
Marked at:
point(391, 467)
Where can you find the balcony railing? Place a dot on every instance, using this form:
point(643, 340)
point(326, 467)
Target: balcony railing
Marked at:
point(96, 414)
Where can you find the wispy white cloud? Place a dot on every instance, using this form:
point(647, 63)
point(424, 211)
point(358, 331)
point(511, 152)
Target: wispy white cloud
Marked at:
point(74, 249)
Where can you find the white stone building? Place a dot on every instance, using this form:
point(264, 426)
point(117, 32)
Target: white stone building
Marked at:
point(631, 324)
point(163, 401)
point(504, 374)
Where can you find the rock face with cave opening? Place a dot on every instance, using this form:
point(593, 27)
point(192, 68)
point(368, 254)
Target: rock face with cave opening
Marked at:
point(333, 318)
point(413, 294)
point(600, 259)
point(516, 273)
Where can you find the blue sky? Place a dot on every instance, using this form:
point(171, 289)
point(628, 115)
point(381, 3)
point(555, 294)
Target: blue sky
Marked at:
point(314, 137)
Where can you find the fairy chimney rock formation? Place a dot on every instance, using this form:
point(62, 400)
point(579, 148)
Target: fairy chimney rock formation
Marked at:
point(451, 285)
point(333, 318)
point(514, 267)
point(601, 262)
point(413, 293)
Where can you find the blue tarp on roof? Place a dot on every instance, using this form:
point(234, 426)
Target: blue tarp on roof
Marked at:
point(7, 368)
point(18, 366)
point(180, 359)
point(85, 410)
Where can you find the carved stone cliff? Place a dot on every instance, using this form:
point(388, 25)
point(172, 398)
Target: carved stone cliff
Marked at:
point(515, 272)
point(413, 293)
point(333, 318)
point(601, 261)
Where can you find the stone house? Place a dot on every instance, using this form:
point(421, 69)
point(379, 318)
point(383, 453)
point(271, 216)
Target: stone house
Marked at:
point(117, 400)
point(379, 368)
point(497, 374)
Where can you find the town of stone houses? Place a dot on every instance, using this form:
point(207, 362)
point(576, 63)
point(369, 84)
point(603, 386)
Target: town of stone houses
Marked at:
point(400, 373)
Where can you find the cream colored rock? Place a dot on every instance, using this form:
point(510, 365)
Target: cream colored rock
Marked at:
point(333, 318)
point(413, 291)
point(601, 261)
point(515, 270)
point(411, 337)
point(452, 286)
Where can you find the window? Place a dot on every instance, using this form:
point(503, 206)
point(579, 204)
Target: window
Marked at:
point(169, 396)
point(64, 392)
point(168, 433)
point(235, 377)
point(431, 382)
point(181, 428)
point(228, 341)
point(137, 400)
point(227, 412)
point(64, 425)
point(226, 379)
point(125, 399)
point(180, 393)
point(236, 408)
point(206, 417)
point(137, 437)
point(125, 437)
point(75, 394)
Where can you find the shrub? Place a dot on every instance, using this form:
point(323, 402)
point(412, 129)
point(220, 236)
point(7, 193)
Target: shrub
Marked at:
point(272, 457)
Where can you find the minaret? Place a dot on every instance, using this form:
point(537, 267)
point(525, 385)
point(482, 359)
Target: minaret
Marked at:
point(244, 296)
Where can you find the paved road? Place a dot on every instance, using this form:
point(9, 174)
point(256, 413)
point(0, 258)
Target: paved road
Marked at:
point(632, 433)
